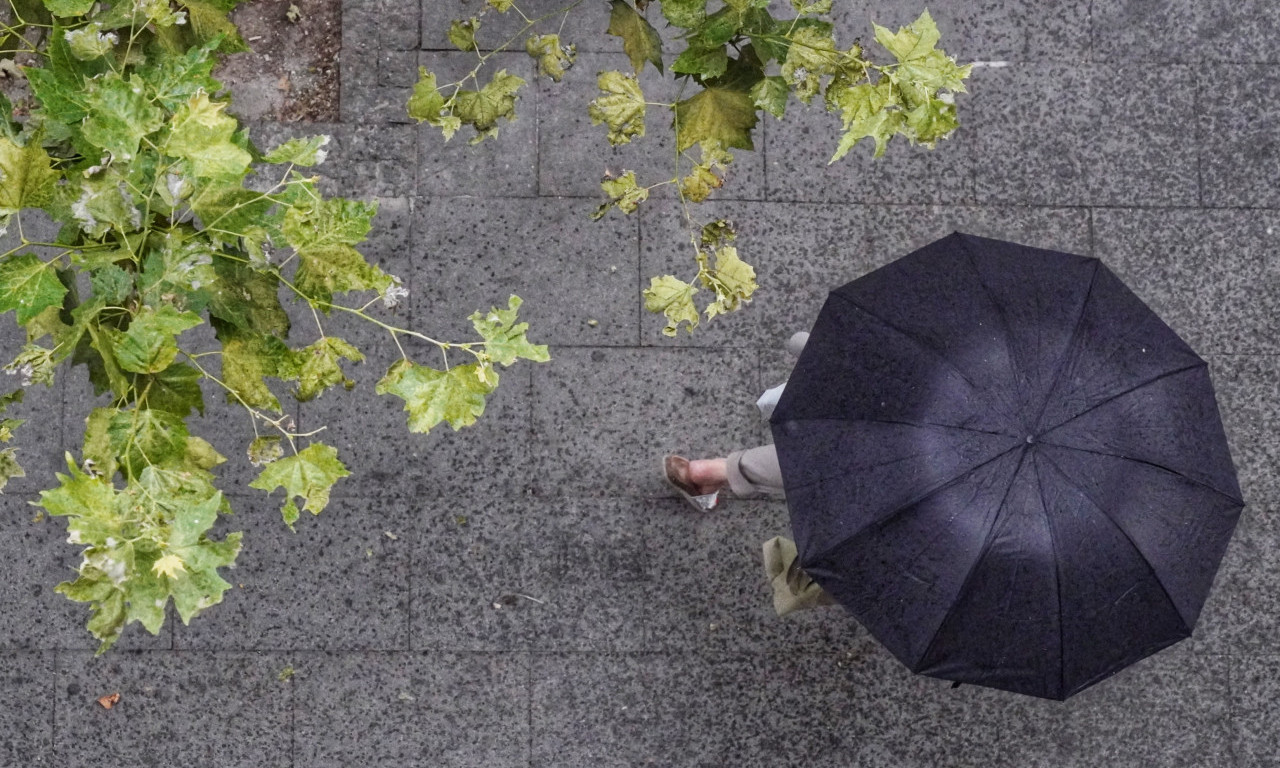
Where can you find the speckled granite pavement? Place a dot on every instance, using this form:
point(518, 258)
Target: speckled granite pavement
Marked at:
point(1144, 132)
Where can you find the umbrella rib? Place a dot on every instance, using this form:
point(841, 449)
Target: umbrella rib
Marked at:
point(1075, 334)
point(1118, 395)
point(1057, 578)
point(922, 425)
point(968, 577)
point(906, 335)
point(1137, 460)
point(1155, 574)
point(1004, 320)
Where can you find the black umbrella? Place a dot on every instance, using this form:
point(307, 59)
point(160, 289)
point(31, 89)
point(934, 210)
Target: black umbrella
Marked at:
point(1006, 466)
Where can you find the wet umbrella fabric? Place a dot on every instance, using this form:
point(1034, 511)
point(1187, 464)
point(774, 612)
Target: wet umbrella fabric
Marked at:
point(1006, 466)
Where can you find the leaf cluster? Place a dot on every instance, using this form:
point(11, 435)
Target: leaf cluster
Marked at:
point(736, 62)
point(167, 273)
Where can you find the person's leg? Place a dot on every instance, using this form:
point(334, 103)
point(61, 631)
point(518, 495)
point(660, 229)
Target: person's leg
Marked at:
point(754, 472)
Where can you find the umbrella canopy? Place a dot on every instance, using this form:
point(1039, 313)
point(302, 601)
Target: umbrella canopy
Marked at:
point(1006, 466)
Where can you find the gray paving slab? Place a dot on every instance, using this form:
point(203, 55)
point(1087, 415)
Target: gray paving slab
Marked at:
point(413, 709)
point(1182, 31)
point(503, 166)
point(1010, 30)
point(1206, 273)
point(27, 677)
point(225, 709)
point(362, 160)
point(1172, 709)
point(1237, 112)
point(602, 418)
point(800, 252)
point(340, 582)
point(1254, 680)
point(573, 154)
point(1081, 134)
point(583, 25)
point(577, 277)
point(799, 149)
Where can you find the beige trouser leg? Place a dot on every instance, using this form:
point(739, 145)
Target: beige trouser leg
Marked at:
point(754, 473)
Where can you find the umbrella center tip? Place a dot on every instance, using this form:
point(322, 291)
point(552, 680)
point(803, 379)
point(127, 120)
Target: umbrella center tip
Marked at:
point(1031, 439)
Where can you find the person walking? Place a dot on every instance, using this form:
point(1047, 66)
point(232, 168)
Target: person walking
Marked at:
point(752, 473)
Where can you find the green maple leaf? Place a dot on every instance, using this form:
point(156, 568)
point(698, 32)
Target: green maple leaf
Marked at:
point(88, 500)
point(329, 222)
point(111, 283)
point(65, 8)
point(705, 62)
point(770, 94)
point(27, 177)
point(323, 236)
point(149, 344)
point(202, 135)
point(88, 42)
point(501, 6)
point(431, 396)
point(623, 192)
point(105, 202)
point(176, 79)
point(684, 13)
point(504, 339)
point(180, 272)
point(930, 121)
point(228, 209)
point(247, 299)
point(321, 366)
point(144, 436)
point(716, 114)
point(868, 111)
point(176, 389)
point(29, 286)
point(429, 105)
point(639, 39)
point(482, 109)
point(933, 71)
point(553, 59)
point(247, 359)
point(818, 7)
point(209, 24)
point(9, 467)
point(674, 298)
point(119, 114)
point(305, 151)
point(462, 33)
point(97, 451)
point(309, 475)
point(914, 41)
point(620, 105)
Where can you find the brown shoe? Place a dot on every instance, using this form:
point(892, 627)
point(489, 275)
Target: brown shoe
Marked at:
point(676, 470)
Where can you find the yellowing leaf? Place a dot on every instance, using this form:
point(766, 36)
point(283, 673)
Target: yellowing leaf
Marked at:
point(431, 396)
point(674, 298)
point(26, 176)
point(149, 343)
point(717, 114)
point(29, 286)
point(620, 105)
point(914, 41)
point(462, 33)
point(482, 109)
point(811, 55)
point(65, 8)
point(321, 366)
point(202, 135)
point(309, 475)
point(623, 192)
point(770, 94)
point(429, 105)
point(504, 338)
point(553, 59)
point(733, 280)
point(305, 151)
point(639, 39)
point(702, 179)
